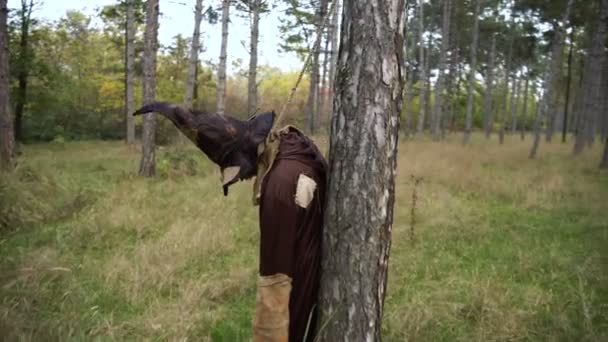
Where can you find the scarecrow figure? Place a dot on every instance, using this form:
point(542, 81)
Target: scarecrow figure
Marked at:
point(289, 188)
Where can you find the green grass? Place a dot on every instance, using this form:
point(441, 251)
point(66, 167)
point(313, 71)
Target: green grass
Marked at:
point(506, 248)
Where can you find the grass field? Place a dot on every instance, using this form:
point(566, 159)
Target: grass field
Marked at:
point(505, 248)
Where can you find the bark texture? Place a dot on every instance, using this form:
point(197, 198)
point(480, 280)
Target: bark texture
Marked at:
point(568, 85)
point(221, 72)
point(487, 102)
point(469, 114)
point(7, 138)
point(130, 71)
point(194, 51)
point(363, 156)
point(514, 106)
point(252, 85)
point(147, 166)
point(592, 100)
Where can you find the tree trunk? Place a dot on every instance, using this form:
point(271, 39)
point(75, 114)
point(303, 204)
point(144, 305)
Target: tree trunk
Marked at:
point(410, 50)
point(445, 41)
point(252, 85)
point(322, 99)
point(424, 71)
point(504, 109)
point(335, 33)
point(194, 52)
point(24, 66)
point(469, 114)
point(515, 102)
point(524, 111)
point(147, 166)
point(568, 81)
point(7, 137)
point(221, 72)
point(487, 103)
point(130, 71)
point(363, 157)
point(592, 85)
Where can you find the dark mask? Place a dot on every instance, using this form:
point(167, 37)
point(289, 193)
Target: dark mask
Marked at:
point(230, 143)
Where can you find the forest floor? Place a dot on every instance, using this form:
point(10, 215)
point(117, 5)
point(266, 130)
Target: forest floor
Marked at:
point(505, 248)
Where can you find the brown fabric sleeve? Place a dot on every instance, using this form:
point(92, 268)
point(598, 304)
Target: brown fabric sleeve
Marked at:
point(279, 215)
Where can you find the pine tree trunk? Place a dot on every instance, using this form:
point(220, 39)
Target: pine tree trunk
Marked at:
point(252, 96)
point(592, 77)
point(409, 94)
point(469, 114)
point(313, 90)
point(445, 41)
point(568, 81)
point(147, 166)
point(130, 71)
point(515, 102)
point(424, 67)
point(194, 52)
point(7, 137)
point(221, 72)
point(322, 100)
point(363, 157)
point(489, 92)
point(524, 111)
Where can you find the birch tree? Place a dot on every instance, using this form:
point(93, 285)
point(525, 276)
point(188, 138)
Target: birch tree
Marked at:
point(363, 156)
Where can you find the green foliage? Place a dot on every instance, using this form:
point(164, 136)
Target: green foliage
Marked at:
point(505, 246)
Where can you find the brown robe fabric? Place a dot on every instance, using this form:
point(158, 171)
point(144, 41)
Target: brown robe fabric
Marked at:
point(290, 234)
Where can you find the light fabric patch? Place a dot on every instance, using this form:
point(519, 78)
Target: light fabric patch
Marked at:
point(305, 191)
point(229, 173)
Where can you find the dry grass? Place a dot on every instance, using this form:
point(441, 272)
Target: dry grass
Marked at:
point(507, 248)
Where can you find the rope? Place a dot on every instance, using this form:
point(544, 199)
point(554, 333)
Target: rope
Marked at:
point(306, 62)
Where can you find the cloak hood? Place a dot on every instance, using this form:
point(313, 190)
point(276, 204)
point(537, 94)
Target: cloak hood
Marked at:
point(230, 143)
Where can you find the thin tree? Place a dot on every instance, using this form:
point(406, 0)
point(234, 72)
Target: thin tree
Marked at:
point(130, 71)
point(409, 89)
point(25, 64)
point(568, 81)
point(524, 110)
point(489, 91)
point(549, 82)
point(469, 114)
point(147, 166)
point(221, 72)
point(194, 52)
point(313, 91)
point(514, 106)
point(592, 77)
point(7, 137)
point(363, 157)
point(423, 71)
point(445, 41)
point(504, 109)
